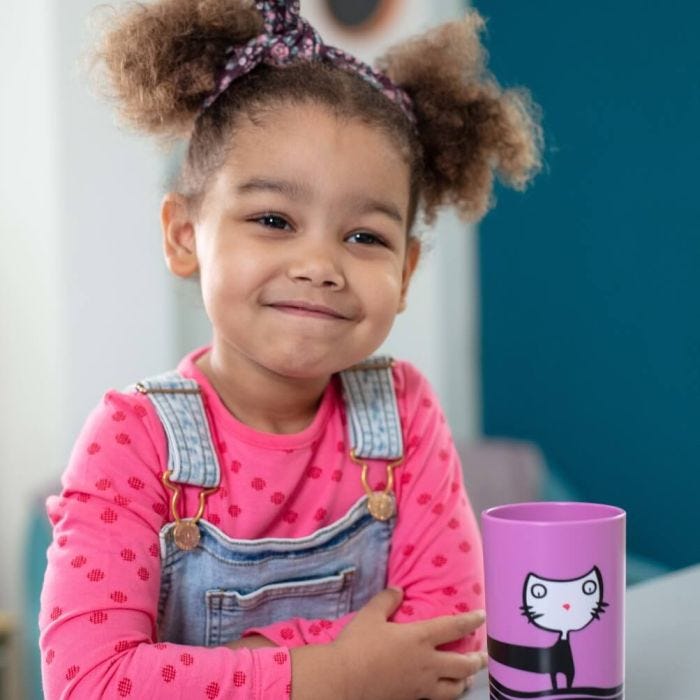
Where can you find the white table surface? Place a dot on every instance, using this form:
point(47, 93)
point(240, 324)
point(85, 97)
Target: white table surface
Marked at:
point(662, 625)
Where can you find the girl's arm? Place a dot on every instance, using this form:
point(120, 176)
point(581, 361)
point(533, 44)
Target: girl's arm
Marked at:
point(100, 596)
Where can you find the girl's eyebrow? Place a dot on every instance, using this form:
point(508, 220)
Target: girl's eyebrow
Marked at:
point(299, 192)
point(293, 190)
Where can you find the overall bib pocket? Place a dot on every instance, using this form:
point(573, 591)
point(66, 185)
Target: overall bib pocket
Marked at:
point(229, 613)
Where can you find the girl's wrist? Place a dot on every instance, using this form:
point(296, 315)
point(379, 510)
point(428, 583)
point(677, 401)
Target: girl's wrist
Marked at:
point(318, 673)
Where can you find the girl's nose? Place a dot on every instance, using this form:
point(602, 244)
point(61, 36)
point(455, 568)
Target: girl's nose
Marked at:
point(317, 265)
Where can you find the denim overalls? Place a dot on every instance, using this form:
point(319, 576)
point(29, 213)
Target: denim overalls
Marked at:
point(214, 587)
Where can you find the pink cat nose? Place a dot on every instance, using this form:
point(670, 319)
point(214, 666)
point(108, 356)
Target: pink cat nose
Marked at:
point(566, 606)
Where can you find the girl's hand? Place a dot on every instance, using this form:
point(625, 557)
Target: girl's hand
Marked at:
point(374, 659)
point(254, 641)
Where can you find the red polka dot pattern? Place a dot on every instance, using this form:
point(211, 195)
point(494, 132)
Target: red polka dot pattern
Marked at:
point(93, 448)
point(118, 596)
point(168, 673)
point(50, 654)
point(186, 659)
point(109, 516)
point(212, 690)
point(239, 679)
point(136, 483)
point(438, 560)
point(258, 484)
point(128, 554)
point(143, 573)
point(287, 633)
point(72, 672)
point(124, 687)
point(280, 657)
point(122, 439)
point(95, 575)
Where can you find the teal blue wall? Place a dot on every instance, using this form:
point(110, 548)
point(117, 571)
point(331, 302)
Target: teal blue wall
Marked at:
point(590, 282)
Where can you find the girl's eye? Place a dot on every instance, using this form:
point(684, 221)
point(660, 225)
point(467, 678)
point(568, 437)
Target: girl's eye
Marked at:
point(272, 221)
point(366, 238)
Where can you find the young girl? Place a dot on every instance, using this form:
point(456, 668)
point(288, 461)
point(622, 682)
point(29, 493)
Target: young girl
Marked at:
point(285, 513)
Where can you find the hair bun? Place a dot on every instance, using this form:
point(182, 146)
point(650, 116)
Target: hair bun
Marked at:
point(160, 59)
point(470, 128)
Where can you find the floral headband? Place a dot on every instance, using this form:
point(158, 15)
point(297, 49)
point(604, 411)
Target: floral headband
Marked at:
point(288, 37)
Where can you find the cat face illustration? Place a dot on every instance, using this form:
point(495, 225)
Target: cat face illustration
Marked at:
point(563, 605)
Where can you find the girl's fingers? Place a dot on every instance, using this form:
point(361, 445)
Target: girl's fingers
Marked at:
point(450, 628)
point(451, 664)
point(449, 689)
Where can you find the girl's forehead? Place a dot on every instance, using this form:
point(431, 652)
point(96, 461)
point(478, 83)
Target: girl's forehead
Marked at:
point(310, 126)
point(314, 149)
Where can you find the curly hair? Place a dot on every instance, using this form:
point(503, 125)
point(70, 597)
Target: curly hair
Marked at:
point(161, 61)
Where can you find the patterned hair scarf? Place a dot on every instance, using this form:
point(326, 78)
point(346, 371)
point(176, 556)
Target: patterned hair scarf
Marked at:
point(288, 37)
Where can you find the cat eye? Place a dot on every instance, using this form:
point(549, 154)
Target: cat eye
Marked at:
point(589, 587)
point(538, 591)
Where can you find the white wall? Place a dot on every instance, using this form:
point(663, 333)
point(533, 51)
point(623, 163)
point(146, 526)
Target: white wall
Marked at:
point(84, 301)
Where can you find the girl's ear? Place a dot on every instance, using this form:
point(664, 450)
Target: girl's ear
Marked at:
point(412, 256)
point(178, 235)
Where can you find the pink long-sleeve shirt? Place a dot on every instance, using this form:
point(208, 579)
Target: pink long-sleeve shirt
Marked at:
point(100, 596)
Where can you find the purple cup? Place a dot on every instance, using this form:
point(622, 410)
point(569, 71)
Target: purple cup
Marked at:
point(555, 600)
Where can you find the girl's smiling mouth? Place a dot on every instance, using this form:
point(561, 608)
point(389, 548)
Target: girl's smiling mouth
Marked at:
point(305, 308)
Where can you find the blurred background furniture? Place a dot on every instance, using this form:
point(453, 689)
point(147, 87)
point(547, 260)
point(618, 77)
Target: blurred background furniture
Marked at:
point(8, 655)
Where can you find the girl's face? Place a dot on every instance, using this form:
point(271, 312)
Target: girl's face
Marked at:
point(300, 242)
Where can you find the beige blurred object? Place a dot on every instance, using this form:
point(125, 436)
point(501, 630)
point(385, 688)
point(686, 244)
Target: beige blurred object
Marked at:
point(499, 471)
point(9, 658)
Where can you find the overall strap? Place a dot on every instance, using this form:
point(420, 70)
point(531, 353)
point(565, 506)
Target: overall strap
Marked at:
point(191, 455)
point(374, 424)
